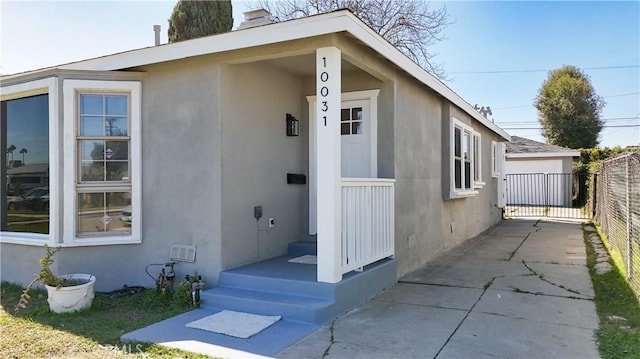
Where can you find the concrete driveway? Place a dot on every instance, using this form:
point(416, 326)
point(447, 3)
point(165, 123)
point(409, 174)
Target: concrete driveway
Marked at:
point(520, 291)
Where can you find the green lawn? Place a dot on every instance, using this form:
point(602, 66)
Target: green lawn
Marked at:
point(34, 332)
point(618, 310)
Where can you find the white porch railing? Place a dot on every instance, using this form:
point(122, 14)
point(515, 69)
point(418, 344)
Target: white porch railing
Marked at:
point(367, 221)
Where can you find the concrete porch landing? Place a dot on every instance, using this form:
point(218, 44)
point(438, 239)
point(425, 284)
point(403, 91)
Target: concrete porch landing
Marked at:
point(270, 287)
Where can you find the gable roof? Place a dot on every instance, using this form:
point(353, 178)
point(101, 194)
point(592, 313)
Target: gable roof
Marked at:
point(524, 147)
point(317, 25)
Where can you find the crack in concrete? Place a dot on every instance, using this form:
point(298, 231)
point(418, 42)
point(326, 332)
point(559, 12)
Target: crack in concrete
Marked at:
point(517, 248)
point(518, 290)
point(486, 287)
point(438, 284)
point(537, 223)
point(557, 263)
point(541, 276)
point(420, 305)
point(331, 341)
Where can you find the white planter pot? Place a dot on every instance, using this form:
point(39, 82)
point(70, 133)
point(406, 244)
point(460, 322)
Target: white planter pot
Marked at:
point(71, 299)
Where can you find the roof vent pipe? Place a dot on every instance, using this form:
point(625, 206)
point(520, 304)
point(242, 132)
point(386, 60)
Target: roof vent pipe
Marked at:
point(156, 29)
point(254, 18)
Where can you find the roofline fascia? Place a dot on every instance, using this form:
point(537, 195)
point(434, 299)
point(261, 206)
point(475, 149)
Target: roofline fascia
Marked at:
point(57, 72)
point(543, 154)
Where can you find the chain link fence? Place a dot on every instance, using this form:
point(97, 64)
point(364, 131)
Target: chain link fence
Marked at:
point(618, 211)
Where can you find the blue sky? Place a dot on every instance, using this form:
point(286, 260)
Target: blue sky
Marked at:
point(506, 39)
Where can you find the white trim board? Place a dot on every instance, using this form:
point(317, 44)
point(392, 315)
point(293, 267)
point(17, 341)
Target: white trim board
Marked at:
point(543, 154)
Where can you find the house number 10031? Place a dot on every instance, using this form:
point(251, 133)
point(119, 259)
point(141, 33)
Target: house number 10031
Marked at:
point(324, 90)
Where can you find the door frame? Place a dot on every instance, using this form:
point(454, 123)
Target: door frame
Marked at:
point(368, 95)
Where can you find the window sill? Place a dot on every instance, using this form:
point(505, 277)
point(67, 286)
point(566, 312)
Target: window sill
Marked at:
point(102, 241)
point(24, 238)
point(462, 194)
point(478, 185)
point(495, 175)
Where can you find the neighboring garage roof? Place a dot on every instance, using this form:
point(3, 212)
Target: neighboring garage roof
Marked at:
point(317, 25)
point(34, 168)
point(524, 147)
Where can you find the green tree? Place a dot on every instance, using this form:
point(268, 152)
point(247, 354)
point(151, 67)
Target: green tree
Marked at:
point(193, 19)
point(412, 26)
point(569, 109)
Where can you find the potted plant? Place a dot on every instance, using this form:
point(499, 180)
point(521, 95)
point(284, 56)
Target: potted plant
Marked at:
point(65, 293)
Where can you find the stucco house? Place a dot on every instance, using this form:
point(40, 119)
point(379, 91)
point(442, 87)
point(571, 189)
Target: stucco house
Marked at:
point(222, 153)
point(538, 173)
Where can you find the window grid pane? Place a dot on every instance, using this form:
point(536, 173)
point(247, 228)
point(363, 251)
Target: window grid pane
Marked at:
point(351, 121)
point(103, 115)
point(465, 145)
point(467, 175)
point(458, 173)
point(104, 212)
point(457, 145)
point(103, 138)
point(476, 159)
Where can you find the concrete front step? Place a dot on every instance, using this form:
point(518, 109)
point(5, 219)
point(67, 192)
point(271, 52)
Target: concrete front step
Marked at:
point(290, 306)
point(278, 287)
point(237, 280)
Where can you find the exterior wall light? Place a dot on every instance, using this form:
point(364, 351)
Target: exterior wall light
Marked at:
point(293, 126)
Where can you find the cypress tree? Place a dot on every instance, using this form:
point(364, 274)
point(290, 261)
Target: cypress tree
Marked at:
point(193, 19)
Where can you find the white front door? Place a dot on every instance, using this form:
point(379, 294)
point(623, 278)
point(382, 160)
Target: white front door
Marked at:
point(355, 131)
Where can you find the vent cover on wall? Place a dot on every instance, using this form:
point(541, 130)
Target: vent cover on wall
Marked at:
point(183, 253)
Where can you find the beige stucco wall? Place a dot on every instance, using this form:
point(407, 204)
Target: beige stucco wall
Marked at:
point(427, 224)
point(257, 157)
point(214, 146)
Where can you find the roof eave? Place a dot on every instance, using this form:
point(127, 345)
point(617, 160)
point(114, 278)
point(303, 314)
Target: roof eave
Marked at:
point(543, 154)
point(332, 22)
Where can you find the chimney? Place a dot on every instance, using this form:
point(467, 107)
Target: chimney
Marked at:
point(156, 29)
point(255, 18)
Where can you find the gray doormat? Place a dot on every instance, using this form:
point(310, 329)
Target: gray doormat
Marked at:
point(235, 324)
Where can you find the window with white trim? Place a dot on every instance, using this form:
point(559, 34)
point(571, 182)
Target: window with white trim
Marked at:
point(462, 160)
point(494, 159)
point(28, 180)
point(103, 186)
point(477, 161)
point(102, 121)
